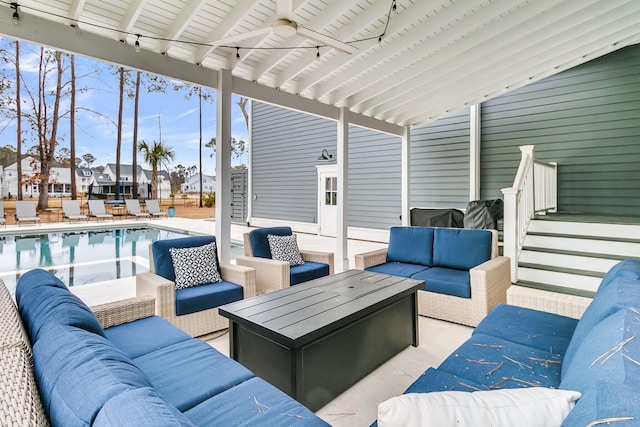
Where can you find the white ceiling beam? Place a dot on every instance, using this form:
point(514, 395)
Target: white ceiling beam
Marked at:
point(413, 19)
point(181, 23)
point(132, 15)
point(75, 10)
point(322, 19)
point(529, 48)
point(368, 17)
point(582, 48)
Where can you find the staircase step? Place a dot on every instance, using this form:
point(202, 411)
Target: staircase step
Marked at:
point(554, 288)
point(568, 278)
point(575, 261)
point(625, 232)
point(617, 248)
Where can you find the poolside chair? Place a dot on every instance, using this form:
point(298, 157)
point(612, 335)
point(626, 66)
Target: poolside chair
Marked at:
point(133, 208)
point(97, 210)
point(3, 216)
point(275, 271)
point(26, 212)
point(194, 309)
point(71, 211)
point(153, 208)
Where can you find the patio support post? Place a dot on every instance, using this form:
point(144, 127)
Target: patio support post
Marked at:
point(342, 233)
point(406, 176)
point(223, 165)
point(474, 152)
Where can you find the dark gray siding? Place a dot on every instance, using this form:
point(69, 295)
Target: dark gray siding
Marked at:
point(239, 196)
point(285, 149)
point(374, 179)
point(587, 119)
point(440, 163)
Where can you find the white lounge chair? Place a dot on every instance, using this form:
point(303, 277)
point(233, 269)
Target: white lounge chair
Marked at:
point(153, 208)
point(133, 208)
point(97, 210)
point(71, 211)
point(3, 216)
point(26, 212)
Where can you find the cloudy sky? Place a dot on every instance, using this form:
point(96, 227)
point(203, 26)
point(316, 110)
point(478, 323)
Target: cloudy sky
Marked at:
point(168, 114)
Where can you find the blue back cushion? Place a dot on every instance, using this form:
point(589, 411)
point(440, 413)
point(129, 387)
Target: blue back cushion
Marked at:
point(461, 248)
point(627, 268)
point(259, 242)
point(162, 262)
point(411, 245)
point(44, 302)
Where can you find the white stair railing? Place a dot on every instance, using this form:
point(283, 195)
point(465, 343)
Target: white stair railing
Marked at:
point(534, 191)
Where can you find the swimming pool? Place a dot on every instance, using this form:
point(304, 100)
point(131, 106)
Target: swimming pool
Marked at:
point(80, 257)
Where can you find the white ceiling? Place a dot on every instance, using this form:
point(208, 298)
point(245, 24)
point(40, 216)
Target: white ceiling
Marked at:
point(436, 57)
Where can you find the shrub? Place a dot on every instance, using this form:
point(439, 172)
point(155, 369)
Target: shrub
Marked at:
point(209, 200)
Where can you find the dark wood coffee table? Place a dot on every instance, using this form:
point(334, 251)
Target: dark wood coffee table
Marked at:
point(316, 339)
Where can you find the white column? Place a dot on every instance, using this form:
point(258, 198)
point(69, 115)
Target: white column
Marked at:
point(342, 152)
point(474, 152)
point(223, 166)
point(250, 162)
point(406, 176)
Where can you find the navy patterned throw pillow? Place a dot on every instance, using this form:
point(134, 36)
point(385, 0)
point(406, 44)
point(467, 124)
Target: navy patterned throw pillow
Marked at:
point(195, 266)
point(285, 248)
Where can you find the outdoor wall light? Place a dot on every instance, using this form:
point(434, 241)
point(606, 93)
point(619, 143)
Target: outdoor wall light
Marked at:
point(16, 15)
point(325, 155)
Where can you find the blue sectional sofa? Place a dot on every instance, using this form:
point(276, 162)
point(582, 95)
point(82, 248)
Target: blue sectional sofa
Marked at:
point(597, 356)
point(463, 274)
point(143, 372)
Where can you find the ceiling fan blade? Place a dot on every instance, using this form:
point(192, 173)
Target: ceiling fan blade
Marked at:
point(244, 36)
point(321, 38)
point(284, 9)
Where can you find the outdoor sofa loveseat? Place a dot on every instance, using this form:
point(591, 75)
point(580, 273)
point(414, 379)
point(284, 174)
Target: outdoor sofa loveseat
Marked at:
point(597, 356)
point(463, 274)
point(120, 365)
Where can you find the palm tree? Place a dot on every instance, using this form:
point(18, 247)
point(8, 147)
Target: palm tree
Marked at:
point(156, 154)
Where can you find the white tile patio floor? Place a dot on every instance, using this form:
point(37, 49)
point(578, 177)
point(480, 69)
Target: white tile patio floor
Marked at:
point(357, 406)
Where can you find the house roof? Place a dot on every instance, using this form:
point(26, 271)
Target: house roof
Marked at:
point(435, 56)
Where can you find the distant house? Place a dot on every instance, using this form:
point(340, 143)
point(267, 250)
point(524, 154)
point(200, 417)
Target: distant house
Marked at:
point(104, 184)
point(192, 184)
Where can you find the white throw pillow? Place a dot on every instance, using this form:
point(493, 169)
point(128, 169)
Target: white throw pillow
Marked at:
point(285, 248)
point(195, 266)
point(522, 407)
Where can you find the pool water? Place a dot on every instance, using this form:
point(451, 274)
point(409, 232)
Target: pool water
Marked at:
point(82, 257)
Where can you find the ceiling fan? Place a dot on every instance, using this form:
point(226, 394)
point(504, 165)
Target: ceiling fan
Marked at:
point(286, 27)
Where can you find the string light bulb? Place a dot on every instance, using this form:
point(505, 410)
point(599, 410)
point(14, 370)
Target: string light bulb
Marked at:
point(16, 15)
point(318, 52)
point(137, 44)
point(394, 7)
point(237, 53)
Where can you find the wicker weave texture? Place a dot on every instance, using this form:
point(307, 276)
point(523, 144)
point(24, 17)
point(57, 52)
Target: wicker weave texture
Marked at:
point(20, 403)
point(552, 302)
point(124, 311)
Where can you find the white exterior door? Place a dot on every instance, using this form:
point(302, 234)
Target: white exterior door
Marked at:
point(327, 200)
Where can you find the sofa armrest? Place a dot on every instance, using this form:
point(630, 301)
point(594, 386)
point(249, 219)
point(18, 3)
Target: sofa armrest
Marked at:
point(369, 259)
point(271, 274)
point(243, 276)
point(163, 290)
point(323, 257)
point(491, 280)
point(124, 311)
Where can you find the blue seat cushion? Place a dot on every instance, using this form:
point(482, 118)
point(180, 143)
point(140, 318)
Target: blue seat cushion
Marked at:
point(533, 328)
point(162, 261)
point(411, 245)
point(260, 243)
point(619, 293)
point(45, 301)
point(204, 297)
point(77, 372)
point(142, 407)
point(172, 371)
point(626, 268)
point(610, 352)
point(607, 400)
point(308, 271)
point(446, 281)
point(439, 380)
point(255, 402)
point(497, 363)
point(397, 269)
point(461, 249)
point(145, 335)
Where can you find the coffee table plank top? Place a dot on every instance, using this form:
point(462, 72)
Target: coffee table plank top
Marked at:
point(299, 314)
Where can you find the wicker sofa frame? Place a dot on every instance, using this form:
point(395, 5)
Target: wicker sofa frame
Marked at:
point(489, 283)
